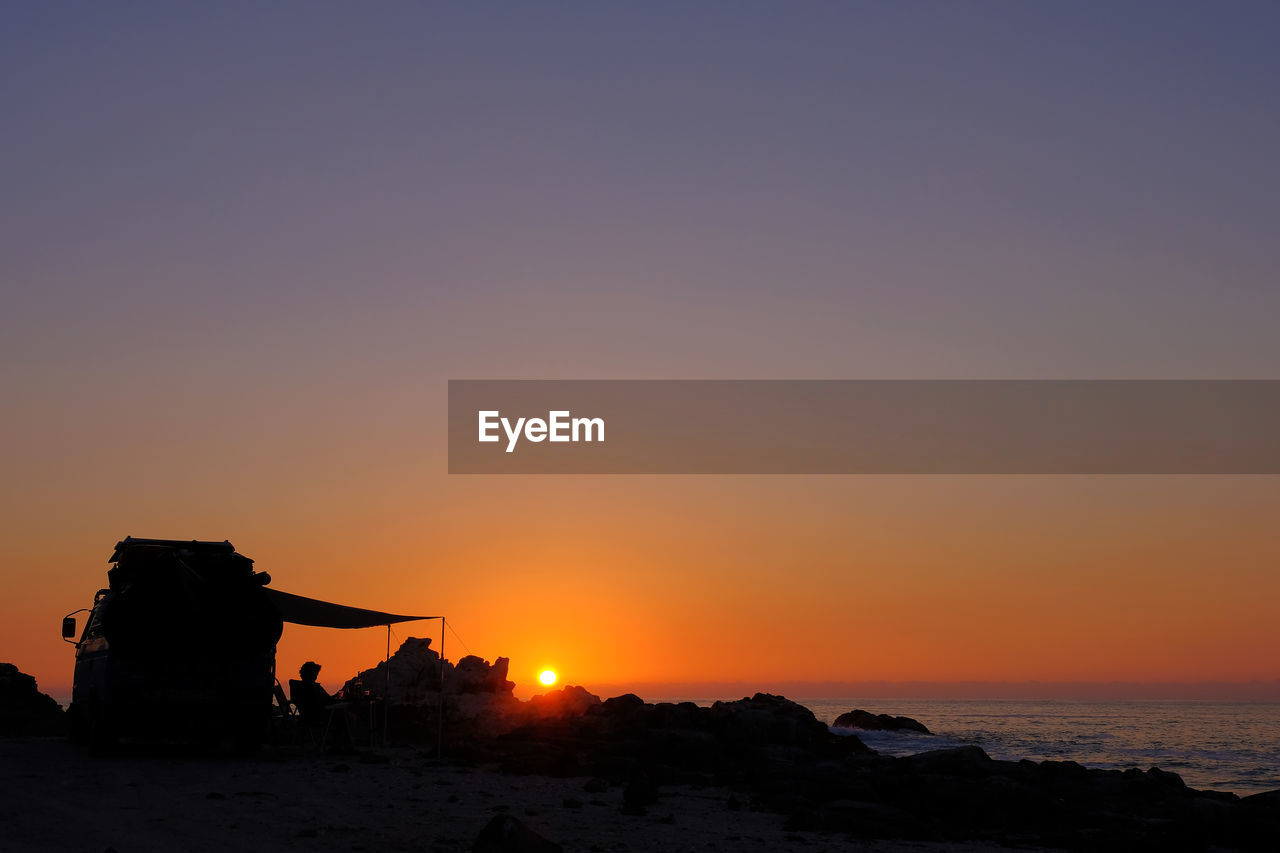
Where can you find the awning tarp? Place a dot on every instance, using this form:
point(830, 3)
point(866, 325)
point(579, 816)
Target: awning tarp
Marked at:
point(325, 614)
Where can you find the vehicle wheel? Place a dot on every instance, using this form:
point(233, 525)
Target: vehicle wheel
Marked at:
point(248, 734)
point(77, 725)
point(102, 734)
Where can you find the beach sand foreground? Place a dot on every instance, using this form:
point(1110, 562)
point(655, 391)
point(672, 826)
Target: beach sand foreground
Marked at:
point(163, 799)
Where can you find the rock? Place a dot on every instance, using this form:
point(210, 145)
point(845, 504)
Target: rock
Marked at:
point(474, 675)
point(625, 702)
point(639, 793)
point(506, 834)
point(767, 719)
point(1266, 800)
point(960, 761)
point(568, 701)
point(867, 721)
point(24, 710)
point(411, 676)
point(1166, 778)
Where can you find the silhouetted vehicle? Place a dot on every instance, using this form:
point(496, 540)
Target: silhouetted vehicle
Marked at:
point(182, 643)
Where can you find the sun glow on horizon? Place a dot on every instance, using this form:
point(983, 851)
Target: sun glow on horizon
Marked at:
point(547, 677)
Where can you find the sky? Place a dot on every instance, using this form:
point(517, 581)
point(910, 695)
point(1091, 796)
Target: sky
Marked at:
point(244, 246)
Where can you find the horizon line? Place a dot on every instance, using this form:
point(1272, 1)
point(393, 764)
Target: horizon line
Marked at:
point(1267, 690)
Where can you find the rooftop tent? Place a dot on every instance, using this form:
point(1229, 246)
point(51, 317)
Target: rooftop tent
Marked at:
point(130, 543)
point(300, 610)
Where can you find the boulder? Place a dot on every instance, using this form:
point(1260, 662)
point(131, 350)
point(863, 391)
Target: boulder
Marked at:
point(24, 710)
point(506, 834)
point(867, 721)
point(767, 719)
point(625, 702)
point(568, 701)
point(958, 761)
point(475, 675)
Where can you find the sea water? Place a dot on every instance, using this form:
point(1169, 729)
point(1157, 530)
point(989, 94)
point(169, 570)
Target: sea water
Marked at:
point(1224, 746)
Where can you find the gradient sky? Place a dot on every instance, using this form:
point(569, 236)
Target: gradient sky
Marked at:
point(243, 247)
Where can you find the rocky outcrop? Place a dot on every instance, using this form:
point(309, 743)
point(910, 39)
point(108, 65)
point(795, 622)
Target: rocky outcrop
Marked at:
point(867, 721)
point(479, 701)
point(24, 710)
point(964, 795)
point(413, 676)
point(624, 738)
point(780, 758)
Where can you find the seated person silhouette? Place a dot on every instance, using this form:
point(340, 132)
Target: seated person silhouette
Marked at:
point(308, 696)
point(317, 707)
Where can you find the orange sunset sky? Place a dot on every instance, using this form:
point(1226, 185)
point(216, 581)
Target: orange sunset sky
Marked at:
point(241, 257)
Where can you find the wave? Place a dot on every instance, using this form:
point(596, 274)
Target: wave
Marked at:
point(1220, 745)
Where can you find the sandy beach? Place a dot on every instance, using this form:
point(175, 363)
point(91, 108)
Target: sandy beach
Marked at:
point(166, 798)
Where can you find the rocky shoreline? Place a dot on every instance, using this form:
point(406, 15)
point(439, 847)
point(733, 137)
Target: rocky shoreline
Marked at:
point(774, 756)
point(782, 759)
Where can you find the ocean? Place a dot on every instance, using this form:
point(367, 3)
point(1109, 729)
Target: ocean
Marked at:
point(1224, 746)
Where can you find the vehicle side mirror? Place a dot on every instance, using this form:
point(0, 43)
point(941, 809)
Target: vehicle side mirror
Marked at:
point(68, 627)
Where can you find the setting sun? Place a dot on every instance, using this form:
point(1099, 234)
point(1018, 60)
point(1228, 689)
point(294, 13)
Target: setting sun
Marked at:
point(547, 677)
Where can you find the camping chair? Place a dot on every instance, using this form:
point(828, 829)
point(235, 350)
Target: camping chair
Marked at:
point(309, 713)
point(283, 708)
point(288, 724)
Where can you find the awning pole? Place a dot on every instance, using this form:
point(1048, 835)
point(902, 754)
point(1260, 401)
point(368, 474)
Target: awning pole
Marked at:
point(440, 721)
point(386, 693)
